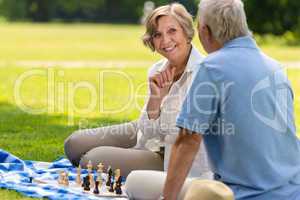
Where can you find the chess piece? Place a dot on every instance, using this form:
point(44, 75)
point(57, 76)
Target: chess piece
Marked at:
point(86, 183)
point(110, 173)
point(117, 175)
point(118, 185)
point(78, 177)
point(100, 167)
point(61, 178)
point(30, 179)
point(90, 170)
point(99, 173)
point(118, 181)
point(92, 181)
point(111, 188)
point(66, 179)
point(96, 190)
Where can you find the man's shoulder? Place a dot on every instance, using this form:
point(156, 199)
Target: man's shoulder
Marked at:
point(217, 65)
point(270, 61)
point(225, 58)
point(214, 62)
point(215, 59)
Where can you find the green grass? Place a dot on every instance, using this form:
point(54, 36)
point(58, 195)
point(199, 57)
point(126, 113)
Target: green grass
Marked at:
point(41, 136)
point(22, 41)
point(294, 75)
point(9, 195)
point(47, 130)
point(72, 42)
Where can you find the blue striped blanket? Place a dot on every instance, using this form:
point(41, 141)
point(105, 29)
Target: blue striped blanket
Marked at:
point(38, 179)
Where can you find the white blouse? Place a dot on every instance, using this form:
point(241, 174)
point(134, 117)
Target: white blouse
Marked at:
point(163, 130)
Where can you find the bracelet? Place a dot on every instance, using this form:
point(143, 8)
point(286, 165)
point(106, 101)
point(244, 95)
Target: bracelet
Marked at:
point(161, 197)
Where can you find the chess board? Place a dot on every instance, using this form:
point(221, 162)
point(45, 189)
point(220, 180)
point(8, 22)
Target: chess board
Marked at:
point(78, 189)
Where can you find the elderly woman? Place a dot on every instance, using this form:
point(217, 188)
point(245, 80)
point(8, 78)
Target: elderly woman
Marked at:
point(131, 146)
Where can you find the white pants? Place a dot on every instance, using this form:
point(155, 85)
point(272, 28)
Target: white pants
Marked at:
point(148, 185)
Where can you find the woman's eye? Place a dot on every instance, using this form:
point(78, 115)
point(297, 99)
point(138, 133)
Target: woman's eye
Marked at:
point(172, 30)
point(156, 35)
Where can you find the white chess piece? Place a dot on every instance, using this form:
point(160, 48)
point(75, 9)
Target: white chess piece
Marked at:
point(78, 177)
point(90, 169)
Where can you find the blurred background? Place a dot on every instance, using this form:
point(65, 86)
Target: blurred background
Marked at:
point(269, 16)
point(70, 64)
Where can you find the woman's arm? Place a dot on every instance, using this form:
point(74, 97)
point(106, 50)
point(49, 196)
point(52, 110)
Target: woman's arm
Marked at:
point(149, 121)
point(159, 85)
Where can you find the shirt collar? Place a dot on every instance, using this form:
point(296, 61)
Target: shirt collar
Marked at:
point(194, 60)
point(241, 42)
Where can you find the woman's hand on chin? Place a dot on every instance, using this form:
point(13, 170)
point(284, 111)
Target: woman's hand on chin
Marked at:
point(161, 82)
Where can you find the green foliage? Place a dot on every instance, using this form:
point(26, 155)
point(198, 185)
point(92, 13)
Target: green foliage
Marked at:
point(273, 16)
point(74, 10)
point(288, 38)
point(13, 9)
point(268, 16)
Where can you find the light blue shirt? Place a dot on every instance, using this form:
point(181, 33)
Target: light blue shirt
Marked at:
point(242, 104)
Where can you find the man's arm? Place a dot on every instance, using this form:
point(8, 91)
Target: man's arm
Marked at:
point(182, 156)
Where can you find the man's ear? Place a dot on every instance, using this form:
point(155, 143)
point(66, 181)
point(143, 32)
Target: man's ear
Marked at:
point(209, 34)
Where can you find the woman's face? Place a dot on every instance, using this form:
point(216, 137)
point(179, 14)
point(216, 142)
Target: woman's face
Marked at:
point(170, 40)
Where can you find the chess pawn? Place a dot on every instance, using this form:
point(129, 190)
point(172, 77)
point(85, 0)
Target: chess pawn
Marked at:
point(96, 190)
point(66, 179)
point(78, 177)
point(108, 182)
point(92, 181)
point(109, 172)
point(30, 179)
point(111, 188)
point(117, 175)
point(100, 167)
point(61, 178)
point(118, 184)
point(86, 183)
point(90, 170)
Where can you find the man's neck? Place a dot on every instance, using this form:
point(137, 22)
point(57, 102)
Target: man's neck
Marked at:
point(215, 46)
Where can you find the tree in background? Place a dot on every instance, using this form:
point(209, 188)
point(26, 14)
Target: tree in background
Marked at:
point(267, 16)
point(13, 10)
point(273, 16)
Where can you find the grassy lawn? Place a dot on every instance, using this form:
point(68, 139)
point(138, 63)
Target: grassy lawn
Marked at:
point(21, 41)
point(41, 106)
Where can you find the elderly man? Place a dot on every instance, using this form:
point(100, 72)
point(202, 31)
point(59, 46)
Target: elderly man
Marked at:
point(241, 105)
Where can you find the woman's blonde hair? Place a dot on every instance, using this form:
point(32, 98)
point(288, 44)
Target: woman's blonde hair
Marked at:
point(176, 10)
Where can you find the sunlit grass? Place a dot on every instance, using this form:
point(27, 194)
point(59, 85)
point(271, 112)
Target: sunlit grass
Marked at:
point(105, 42)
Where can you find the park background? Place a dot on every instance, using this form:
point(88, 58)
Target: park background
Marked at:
point(53, 51)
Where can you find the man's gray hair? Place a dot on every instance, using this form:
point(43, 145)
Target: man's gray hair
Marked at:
point(225, 18)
